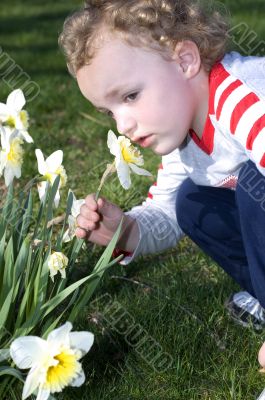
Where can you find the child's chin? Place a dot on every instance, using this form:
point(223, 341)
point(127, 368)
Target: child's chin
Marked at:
point(163, 151)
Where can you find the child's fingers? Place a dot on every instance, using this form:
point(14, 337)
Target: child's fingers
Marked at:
point(80, 233)
point(108, 210)
point(90, 202)
point(86, 213)
point(85, 223)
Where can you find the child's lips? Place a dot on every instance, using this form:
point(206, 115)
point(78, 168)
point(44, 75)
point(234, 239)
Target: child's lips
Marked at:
point(145, 141)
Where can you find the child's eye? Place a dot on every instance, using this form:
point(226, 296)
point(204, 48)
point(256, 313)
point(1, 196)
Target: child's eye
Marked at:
point(131, 96)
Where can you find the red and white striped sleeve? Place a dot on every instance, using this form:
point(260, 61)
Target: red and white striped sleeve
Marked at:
point(241, 112)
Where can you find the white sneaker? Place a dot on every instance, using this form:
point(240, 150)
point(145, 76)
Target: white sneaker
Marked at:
point(246, 310)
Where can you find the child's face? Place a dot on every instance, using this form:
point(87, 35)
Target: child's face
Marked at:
point(149, 97)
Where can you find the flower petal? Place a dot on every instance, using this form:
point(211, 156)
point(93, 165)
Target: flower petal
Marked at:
point(32, 382)
point(67, 237)
point(79, 380)
point(3, 161)
point(16, 100)
point(41, 163)
point(75, 211)
point(57, 199)
point(82, 341)
point(123, 172)
point(70, 232)
point(112, 143)
point(42, 189)
point(139, 171)
point(43, 394)
point(4, 112)
point(26, 136)
point(54, 161)
point(17, 171)
point(9, 175)
point(6, 135)
point(60, 335)
point(27, 350)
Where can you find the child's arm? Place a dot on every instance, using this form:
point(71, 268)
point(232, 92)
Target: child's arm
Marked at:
point(156, 217)
point(239, 104)
point(148, 228)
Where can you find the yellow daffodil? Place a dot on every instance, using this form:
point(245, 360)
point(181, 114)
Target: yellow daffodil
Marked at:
point(53, 363)
point(57, 262)
point(11, 155)
point(50, 169)
point(127, 158)
point(72, 224)
point(13, 116)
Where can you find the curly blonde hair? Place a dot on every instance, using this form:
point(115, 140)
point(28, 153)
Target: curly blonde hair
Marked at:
point(156, 24)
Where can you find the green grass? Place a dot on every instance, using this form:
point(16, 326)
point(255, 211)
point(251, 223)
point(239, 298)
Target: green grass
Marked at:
point(181, 304)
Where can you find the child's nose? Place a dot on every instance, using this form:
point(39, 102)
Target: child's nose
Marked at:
point(125, 125)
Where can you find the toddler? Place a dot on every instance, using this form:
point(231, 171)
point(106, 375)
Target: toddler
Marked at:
point(161, 70)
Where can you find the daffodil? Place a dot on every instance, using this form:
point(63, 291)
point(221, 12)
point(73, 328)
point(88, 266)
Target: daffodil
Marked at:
point(72, 224)
point(53, 363)
point(50, 169)
point(13, 116)
point(11, 155)
point(127, 158)
point(57, 262)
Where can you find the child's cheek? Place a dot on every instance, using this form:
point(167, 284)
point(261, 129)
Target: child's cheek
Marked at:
point(261, 356)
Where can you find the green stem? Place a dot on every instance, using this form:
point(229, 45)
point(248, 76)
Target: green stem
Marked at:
point(109, 170)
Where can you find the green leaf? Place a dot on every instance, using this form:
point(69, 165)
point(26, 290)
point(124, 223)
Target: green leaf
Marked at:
point(6, 370)
point(52, 193)
point(2, 264)
point(22, 307)
point(39, 218)
point(26, 219)
point(56, 300)
point(26, 288)
point(4, 354)
point(70, 199)
point(31, 322)
point(8, 270)
point(77, 245)
point(41, 281)
point(21, 260)
point(8, 206)
point(50, 325)
point(99, 269)
point(4, 312)
point(107, 254)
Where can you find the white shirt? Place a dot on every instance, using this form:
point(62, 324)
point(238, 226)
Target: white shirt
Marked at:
point(234, 132)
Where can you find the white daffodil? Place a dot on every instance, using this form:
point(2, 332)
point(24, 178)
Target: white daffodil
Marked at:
point(50, 169)
point(13, 116)
point(127, 158)
point(72, 224)
point(53, 363)
point(11, 155)
point(57, 262)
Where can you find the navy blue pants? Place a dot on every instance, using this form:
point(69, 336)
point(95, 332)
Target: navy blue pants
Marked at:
point(229, 226)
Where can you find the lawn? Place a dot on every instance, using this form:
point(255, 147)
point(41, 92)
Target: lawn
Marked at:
point(169, 304)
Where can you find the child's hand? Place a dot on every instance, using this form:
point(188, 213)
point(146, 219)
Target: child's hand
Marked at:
point(98, 221)
point(261, 356)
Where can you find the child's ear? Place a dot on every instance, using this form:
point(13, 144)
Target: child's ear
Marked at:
point(187, 56)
